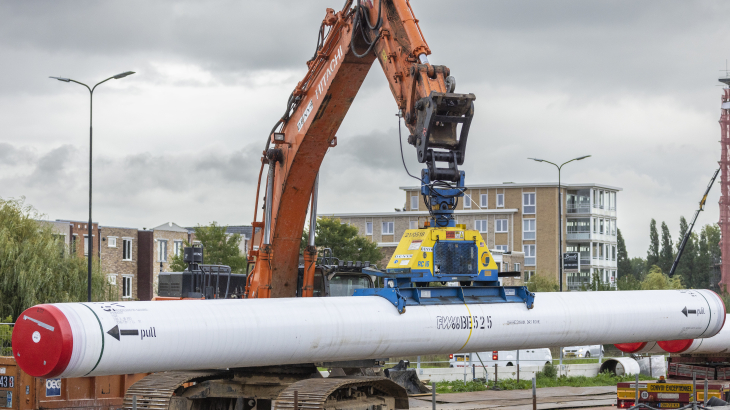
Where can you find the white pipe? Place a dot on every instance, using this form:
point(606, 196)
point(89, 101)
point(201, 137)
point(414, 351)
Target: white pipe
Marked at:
point(720, 343)
point(92, 339)
point(639, 348)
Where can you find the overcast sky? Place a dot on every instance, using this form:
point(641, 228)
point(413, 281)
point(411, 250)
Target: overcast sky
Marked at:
point(633, 83)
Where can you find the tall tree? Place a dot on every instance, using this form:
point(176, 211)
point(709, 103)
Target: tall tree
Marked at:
point(35, 266)
point(344, 240)
point(666, 254)
point(623, 265)
point(652, 255)
point(687, 268)
point(708, 253)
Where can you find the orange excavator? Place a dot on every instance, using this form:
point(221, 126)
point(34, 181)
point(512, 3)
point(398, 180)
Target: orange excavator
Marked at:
point(438, 122)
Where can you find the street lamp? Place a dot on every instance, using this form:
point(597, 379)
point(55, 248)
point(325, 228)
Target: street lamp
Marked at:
point(91, 111)
point(560, 213)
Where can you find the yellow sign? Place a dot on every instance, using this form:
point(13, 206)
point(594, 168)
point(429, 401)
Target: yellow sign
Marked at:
point(669, 388)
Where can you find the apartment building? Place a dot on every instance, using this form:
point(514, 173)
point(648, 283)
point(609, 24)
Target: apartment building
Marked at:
point(78, 236)
point(119, 257)
point(518, 218)
point(169, 239)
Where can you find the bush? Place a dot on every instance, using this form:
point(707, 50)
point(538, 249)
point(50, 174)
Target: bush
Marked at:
point(549, 371)
point(6, 334)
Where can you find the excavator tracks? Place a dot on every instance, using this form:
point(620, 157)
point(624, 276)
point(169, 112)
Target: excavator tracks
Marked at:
point(362, 391)
point(155, 391)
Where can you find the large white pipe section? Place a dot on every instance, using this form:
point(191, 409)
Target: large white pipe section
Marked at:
point(720, 343)
point(639, 348)
point(92, 339)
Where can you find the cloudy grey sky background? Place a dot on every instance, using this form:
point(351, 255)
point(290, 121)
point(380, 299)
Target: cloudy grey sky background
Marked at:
point(633, 83)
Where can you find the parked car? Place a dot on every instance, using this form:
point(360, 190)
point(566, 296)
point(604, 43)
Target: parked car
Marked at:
point(583, 351)
point(528, 357)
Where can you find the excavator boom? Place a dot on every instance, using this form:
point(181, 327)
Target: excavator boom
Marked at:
point(349, 41)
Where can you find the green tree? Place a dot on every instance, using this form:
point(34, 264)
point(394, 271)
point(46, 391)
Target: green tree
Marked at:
point(666, 254)
point(638, 268)
point(597, 284)
point(623, 264)
point(687, 266)
point(35, 266)
point(628, 282)
point(542, 283)
point(344, 240)
point(657, 280)
point(219, 248)
point(652, 255)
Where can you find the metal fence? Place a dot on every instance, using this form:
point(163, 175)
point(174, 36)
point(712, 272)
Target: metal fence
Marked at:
point(6, 333)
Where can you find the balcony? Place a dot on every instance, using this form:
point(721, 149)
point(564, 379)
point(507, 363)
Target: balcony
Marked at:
point(572, 236)
point(579, 208)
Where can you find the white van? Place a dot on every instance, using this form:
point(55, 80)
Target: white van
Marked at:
point(528, 357)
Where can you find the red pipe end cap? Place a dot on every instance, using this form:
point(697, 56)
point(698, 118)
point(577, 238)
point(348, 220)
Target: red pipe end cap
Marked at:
point(42, 341)
point(675, 346)
point(630, 347)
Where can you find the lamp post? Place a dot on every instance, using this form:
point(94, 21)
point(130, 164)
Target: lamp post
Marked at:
point(560, 214)
point(91, 111)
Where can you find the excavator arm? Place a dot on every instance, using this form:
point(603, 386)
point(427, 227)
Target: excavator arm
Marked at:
point(348, 43)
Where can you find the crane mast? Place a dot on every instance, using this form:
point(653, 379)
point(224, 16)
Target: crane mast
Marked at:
point(437, 120)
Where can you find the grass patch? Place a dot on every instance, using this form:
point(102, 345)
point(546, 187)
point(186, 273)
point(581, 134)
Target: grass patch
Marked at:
point(544, 379)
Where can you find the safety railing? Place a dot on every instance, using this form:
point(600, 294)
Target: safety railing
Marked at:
point(6, 334)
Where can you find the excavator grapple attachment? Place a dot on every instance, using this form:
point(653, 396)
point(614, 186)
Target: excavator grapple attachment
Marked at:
point(437, 137)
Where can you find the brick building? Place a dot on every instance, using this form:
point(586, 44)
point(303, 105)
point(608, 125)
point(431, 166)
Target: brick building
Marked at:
point(119, 256)
point(78, 237)
point(518, 218)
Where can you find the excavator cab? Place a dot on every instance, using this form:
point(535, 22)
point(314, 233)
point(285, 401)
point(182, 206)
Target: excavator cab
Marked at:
point(334, 277)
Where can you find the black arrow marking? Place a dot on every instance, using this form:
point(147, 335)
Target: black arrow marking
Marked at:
point(690, 311)
point(115, 332)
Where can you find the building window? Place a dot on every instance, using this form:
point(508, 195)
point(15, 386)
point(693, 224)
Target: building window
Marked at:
point(162, 250)
point(178, 247)
point(613, 252)
point(528, 203)
point(600, 223)
point(86, 245)
point(501, 226)
point(517, 267)
point(112, 279)
point(126, 249)
point(412, 224)
point(388, 228)
point(500, 200)
point(126, 286)
point(613, 227)
point(595, 198)
point(613, 201)
point(529, 274)
point(503, 248)
point(483, 201)
point(528, 229)
point(414, 202)
point(601, 253)
point(595, 225)
point(600, 198)
point(111, 241)
point(595, 251)
point(530, 258)
point(73, 243)
point(481, 225)
point(579, 225)
point(368, 228)
point(505, 267)
point(467, 201)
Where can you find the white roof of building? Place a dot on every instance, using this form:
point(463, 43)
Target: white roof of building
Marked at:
point(170, 226)
point(527, 185)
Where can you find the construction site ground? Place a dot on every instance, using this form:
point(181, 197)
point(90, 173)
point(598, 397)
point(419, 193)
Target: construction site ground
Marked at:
point(600, 397)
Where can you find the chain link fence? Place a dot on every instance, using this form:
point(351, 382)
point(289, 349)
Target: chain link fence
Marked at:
point(6, 334)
